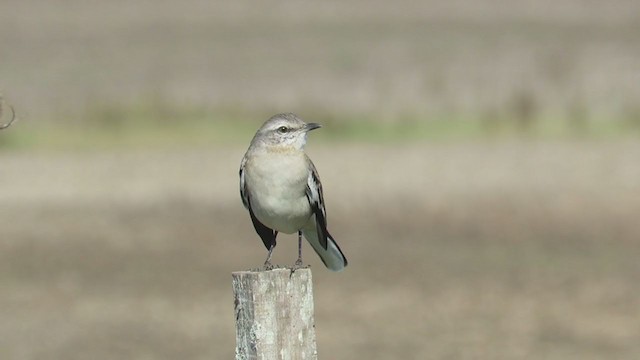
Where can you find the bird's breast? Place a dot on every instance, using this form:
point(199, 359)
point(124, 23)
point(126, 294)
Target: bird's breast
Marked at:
point(277, 187)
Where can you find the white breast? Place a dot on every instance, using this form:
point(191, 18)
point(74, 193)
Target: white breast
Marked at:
point(277, 185)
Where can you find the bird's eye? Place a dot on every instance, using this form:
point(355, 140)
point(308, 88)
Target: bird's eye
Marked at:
point(283, 129)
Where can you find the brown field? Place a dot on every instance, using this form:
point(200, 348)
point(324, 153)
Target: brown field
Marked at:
point(428, 56)
point(490, 147)
point(509, 250)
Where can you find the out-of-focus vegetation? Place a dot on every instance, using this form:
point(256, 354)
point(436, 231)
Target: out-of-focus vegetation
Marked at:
point(160, 126)
point(417, 70)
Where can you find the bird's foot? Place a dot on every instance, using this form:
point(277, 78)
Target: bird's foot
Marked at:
point(267, 266)
point(298, 265)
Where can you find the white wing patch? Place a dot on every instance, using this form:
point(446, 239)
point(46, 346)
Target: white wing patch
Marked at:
point(316, 200)
point(314, 186)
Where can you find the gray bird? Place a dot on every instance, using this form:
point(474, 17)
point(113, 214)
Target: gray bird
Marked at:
point(280, 187)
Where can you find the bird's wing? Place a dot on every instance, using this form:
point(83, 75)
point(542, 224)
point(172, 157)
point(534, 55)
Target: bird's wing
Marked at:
point(244, 194)
point(316, 200)
point(267, 235)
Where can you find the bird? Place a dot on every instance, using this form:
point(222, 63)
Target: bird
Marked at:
point(281, 189)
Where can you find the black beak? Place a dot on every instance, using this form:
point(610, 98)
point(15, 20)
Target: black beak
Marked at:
point(312, 126)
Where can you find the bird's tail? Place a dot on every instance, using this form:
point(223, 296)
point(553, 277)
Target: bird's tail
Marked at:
point(332, 256)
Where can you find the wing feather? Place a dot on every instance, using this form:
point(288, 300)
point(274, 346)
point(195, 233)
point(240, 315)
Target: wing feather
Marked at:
point(244, 194)
point(316, 200)
point(267, 235)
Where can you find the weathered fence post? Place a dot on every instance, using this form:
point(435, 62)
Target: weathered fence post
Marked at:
point(274, 315)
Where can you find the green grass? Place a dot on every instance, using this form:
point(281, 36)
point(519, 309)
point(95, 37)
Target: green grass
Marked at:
point(157, 126)
point(129, 128)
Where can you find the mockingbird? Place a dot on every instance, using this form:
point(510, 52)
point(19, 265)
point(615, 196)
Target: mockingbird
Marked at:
point(280, 187)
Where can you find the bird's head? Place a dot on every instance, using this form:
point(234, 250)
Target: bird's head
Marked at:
point(284, 131)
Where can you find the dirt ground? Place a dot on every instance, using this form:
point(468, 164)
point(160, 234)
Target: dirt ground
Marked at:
point(511, 250)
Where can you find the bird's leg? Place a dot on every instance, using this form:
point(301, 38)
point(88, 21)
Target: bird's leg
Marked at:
point(267, 263)
point(299, 262)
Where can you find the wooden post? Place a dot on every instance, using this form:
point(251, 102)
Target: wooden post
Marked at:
point(274, 315)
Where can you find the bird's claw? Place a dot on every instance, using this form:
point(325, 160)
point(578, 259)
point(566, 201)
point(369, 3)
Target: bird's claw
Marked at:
point(298, 265)
point(267, 266)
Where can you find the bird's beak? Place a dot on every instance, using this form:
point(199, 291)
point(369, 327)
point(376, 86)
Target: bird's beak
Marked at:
point(312, 126)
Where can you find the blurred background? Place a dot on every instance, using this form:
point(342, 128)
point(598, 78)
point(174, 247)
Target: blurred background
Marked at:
point(479, 159)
